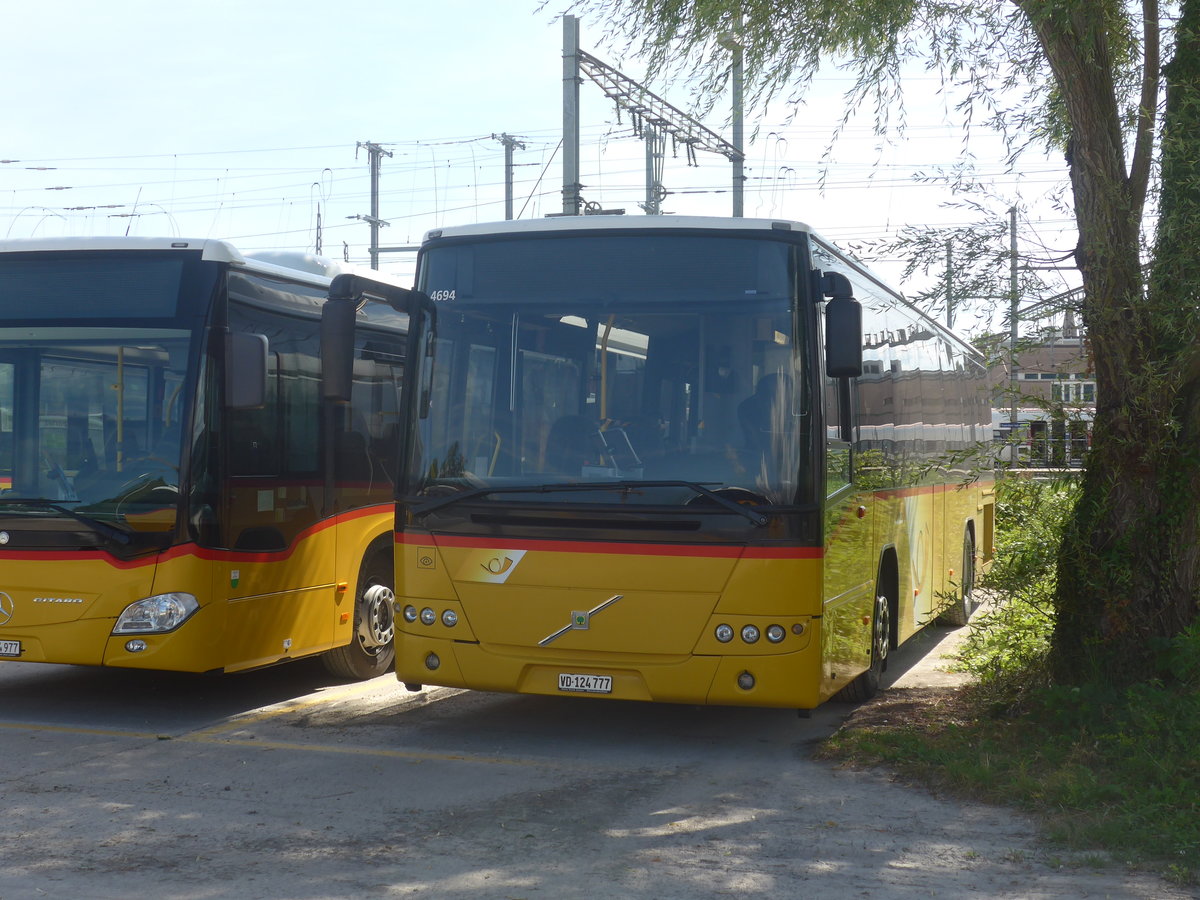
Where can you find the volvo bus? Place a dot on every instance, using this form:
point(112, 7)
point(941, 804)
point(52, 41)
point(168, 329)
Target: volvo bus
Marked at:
point(689, 460)
point(176, 492)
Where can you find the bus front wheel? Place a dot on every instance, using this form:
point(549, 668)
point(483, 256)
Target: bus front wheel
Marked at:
point(371, 651)
point(866, 685)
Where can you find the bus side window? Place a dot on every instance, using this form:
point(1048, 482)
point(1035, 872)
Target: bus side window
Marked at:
point(837, 451)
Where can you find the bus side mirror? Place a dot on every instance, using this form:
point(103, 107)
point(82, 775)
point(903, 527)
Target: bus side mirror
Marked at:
point(843, 327)
point(843, 339)
point(337, 348)
point(245, 371)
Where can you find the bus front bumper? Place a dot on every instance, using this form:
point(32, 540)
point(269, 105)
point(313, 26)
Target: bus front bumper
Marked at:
point(786, 680)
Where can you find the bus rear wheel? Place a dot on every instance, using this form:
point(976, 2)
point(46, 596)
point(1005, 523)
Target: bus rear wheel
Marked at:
point(962, 604)
point(371, 650)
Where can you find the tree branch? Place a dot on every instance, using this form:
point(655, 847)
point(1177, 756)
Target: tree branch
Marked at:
point(1143, 147)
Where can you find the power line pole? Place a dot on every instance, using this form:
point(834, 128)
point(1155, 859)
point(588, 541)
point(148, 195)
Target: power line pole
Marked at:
point(646, 106)
point(509, 143)
point(571, 80)
point(1014, 298)
point(375, 154)
point(949, 284)
point(656, 148)
point(732, 41)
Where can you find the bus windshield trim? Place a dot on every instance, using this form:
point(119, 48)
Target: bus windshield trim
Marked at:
point(432, 505)
point(105, 529)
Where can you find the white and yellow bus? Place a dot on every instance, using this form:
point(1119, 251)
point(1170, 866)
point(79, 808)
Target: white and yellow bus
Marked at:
point(704, 461)
point(176, 492)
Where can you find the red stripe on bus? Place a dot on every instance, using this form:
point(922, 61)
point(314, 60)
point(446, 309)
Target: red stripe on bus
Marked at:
point(715, 551)
point(918, 490)
point(190, 549)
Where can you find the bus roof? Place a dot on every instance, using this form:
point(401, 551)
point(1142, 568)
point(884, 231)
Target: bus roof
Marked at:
point(567, 224)
point(220, 251)
point(270, 262)
point(559, 224)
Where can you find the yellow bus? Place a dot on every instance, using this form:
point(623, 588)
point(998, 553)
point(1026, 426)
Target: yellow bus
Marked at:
point(691, 460)
point(176, 493)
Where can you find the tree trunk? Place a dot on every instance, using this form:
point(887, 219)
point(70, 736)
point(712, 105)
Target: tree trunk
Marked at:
point(1128, 564)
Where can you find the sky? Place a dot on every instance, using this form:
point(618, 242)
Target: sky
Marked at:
point(244, 119)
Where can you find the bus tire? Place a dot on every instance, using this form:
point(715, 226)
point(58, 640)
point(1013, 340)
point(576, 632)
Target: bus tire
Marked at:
point(371, 650)
point(866, 685)
point(963, 603)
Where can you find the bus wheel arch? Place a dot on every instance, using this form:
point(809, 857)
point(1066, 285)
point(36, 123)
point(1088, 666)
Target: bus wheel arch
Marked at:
point(371, 650)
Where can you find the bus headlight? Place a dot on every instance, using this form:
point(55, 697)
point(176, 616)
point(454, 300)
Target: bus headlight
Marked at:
point(775, 633)
point(724, 633)
point(750, 633)
point(410, 614)
point(449, 618)
point(428, 616)
point(157, 614)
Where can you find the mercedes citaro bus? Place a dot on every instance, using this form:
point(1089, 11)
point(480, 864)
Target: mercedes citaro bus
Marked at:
point(176, 489)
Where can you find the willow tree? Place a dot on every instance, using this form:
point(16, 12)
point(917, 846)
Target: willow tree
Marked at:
point(1088, 79)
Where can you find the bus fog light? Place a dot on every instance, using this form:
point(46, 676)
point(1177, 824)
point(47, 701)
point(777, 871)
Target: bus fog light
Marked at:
point(410, 614)
point(432, 662)
point(775, 633)
point(428, 616)
point(745, 681)
point(750, 633)
point(724, 633)
point(135, 646)
point(449, 618)
point(157, 614)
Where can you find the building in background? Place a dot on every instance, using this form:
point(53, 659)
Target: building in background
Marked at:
point(1044, 397)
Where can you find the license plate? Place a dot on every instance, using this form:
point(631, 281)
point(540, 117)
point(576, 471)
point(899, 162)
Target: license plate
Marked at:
point(10, 648)
point(585, 684)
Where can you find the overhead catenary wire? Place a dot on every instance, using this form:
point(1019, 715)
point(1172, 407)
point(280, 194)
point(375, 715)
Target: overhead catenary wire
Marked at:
point(456, 178)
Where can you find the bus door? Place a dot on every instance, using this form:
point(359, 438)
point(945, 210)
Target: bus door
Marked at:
point(278, 574)
point(850, 564)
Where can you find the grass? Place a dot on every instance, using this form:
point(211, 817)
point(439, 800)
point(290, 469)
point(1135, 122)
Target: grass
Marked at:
point(1111, 774)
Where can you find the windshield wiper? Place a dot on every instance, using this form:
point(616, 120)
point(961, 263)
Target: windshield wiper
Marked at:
point(703, 490)
point(700, 488)
point(438, 502)
point(104, 529)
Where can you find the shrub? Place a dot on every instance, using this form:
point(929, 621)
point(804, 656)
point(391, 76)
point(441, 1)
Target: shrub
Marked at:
point(1009, 639)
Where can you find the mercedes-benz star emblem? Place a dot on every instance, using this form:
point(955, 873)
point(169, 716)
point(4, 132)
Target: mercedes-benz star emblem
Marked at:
point(6, 608)
point(4, 537)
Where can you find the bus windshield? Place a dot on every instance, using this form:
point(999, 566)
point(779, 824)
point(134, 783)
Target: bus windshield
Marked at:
point(91, 421)
point(568, 363)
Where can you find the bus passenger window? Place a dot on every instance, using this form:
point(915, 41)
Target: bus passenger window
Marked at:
point(837, 469)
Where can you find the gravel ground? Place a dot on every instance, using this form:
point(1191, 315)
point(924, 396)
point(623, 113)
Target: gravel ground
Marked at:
point(369, 791)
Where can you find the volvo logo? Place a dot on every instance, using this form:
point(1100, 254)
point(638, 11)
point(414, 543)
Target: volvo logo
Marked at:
point(581, 620)
point(6, 608)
